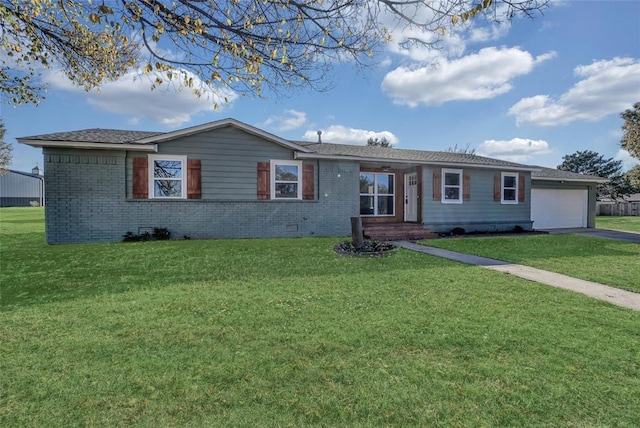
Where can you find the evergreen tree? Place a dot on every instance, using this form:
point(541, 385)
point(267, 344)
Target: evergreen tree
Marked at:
point(592, 163)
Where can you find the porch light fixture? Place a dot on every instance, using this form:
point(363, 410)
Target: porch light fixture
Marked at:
point(385, 168)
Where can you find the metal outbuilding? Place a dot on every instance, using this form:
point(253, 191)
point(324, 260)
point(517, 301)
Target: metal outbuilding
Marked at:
point(22, 189)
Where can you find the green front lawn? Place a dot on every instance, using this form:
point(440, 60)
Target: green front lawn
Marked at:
point(595, 259)
point(284, 332)
point(626, 223)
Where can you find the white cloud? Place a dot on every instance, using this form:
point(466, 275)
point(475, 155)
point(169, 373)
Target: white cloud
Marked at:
point(488, 33)
point(413, 41)
point(482, 75)
point(409, 41)
point(449, 46)
point(294, 119)
point(607, 87)
point(628, 161)
point(514, 150)
point(339, 134)
point(132, 95)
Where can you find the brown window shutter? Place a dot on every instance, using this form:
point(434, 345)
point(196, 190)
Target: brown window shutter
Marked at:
point(497, 187)
point(194, 187)
point(437, 184)
point(264, 187)
point(140, 178)
point(307, 182)
point(466, 187)
point(521, 188)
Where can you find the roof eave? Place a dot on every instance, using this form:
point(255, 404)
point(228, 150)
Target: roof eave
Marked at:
point(413, 161)
point(221, 124)
point(89, 145)
point(26, 174)
point(574, 180)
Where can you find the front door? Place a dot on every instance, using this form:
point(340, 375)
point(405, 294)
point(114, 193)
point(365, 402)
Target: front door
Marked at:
point(411, 197)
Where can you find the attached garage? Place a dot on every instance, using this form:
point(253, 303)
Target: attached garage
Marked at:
point(559, 208)
point(562, 199)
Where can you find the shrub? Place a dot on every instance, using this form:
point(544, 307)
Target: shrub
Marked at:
point(457, 231)
point(159, 234)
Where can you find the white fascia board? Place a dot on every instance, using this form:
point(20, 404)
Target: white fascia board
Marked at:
point(415, 162)
point(89, 145)
point(221, 124)
point(571, 180)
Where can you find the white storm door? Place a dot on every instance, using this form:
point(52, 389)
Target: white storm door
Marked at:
point(411, 197)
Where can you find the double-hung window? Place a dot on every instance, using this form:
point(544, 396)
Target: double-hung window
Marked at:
point(377, 194)
point(286, 179)
point(509, 188)
point(452, 186)
point(167, 176)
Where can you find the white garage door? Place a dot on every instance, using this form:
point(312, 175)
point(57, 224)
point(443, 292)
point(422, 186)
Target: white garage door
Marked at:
point(558, 208)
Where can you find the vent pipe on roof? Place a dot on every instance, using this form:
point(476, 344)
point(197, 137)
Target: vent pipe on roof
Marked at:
point(319, 136)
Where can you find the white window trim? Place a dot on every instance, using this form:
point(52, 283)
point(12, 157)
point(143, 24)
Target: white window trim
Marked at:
point(502, 176)
point(443, 193)
point(183, 190)
point(375, 194)
point(273, 178)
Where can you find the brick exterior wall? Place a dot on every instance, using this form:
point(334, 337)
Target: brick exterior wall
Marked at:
point(86, 191)
point(87, 201)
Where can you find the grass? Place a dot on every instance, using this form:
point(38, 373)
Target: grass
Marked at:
point(601, 260)
point(626, 223)
point(284, 332)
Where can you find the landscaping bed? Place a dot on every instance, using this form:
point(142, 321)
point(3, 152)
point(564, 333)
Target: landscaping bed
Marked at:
point(369, 248)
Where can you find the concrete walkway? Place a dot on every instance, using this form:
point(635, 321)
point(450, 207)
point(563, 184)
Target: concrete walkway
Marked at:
point(613, 295)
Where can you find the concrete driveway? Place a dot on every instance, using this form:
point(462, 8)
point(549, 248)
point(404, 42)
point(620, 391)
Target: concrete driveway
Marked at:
point(598, 233)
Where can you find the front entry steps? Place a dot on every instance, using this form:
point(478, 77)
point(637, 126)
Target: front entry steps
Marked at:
point(397, 231)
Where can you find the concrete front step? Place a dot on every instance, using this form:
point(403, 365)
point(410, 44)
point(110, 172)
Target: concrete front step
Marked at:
point(396, 231)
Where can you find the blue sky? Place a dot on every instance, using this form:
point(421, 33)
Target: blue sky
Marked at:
point(528, 91)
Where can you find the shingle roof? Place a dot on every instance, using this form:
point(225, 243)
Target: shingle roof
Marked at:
point(118, 136)
point(421, 156)
point(556, 174)
point(95, 135)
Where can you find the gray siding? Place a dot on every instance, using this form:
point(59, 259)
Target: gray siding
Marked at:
point(481, 213)
point(229, 159)
point(89, 201)
point(90, 196)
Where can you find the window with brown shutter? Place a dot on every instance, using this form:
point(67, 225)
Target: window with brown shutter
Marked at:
point(167, 180)
point(453, 186)
point(509, 188)
point(285, 179)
